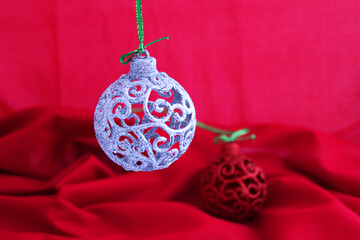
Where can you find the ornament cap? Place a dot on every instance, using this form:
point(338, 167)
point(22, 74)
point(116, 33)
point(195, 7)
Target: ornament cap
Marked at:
point(143, 66)
point(230, 149)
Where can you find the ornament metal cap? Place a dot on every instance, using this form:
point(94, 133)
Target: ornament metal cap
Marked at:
point(230, 149)
point(143, 66)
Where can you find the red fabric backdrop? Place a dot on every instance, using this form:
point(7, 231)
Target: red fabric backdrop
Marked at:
point(289, 69)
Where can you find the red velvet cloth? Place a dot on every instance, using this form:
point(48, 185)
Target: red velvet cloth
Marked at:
point(57, 184)
point(288, 69)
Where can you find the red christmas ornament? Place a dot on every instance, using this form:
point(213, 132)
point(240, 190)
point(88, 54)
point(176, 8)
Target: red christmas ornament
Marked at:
point(233, 186)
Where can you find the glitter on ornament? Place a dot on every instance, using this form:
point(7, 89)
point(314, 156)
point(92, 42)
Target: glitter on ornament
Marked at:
point(233, 186)
point(154, 137)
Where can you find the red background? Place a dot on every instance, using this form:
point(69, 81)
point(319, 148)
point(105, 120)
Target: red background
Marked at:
point(263, 64)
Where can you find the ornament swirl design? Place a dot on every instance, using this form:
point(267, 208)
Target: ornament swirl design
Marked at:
point(153, 137)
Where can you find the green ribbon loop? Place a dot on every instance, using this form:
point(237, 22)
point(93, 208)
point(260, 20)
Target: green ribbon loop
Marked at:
point(124, 59)
point(235, 136)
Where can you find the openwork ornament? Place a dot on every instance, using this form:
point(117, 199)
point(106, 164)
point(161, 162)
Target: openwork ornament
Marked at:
point(233, 186)
point(145, 120)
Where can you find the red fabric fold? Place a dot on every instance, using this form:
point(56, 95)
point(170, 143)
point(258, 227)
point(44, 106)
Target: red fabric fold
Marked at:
point(77, 192)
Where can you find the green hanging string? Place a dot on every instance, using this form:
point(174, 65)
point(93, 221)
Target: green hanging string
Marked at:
point(124, 59)
point(235, 136)
point(212, 129)
point(139, 22)
point(227, 136)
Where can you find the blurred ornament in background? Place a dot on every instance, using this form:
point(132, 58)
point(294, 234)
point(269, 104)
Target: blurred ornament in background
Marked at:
point(233, 187)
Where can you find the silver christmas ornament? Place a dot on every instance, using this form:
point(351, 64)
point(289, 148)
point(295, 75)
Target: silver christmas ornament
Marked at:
point(145, 120)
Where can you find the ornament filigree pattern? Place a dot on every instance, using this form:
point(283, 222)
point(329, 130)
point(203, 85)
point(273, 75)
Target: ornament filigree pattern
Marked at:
point(145, 120)
point(233, 187)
